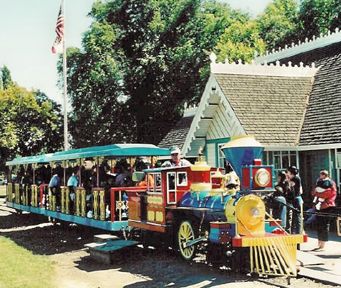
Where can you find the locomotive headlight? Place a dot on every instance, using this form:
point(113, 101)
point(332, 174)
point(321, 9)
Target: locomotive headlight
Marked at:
point(250, 215)
point(262, 177)
point(255, 212)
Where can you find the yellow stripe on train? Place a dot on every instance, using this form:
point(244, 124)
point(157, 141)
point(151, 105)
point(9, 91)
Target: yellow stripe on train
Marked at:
point(248, 241)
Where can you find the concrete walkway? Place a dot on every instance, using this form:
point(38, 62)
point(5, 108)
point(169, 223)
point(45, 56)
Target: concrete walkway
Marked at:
point(323, 266)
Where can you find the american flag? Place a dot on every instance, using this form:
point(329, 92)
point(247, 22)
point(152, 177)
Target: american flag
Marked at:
point(59, 30)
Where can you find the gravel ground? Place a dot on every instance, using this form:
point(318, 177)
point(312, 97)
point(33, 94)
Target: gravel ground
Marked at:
point(133, 267)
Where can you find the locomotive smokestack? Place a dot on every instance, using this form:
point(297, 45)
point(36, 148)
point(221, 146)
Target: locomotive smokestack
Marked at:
point(242, 151)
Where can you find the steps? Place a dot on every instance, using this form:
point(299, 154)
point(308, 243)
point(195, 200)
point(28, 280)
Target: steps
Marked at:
point(105, 247)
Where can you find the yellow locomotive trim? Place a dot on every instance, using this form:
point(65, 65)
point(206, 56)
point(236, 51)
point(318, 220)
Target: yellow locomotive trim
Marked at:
point(201, 187)
point(245, 241)
point(272, 255)
point(155, 200)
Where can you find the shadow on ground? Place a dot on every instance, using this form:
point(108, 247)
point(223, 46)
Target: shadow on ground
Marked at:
point(161, 268)
point(33, 232)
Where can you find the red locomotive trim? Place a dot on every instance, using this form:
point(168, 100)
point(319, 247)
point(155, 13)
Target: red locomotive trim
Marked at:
point(220, 225)
point(237, 242)
point(305, 238)
point(275, 223)
point(147, 226)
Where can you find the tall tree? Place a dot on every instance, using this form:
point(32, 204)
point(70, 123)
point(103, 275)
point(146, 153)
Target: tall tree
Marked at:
point(29, 124)
point(151, 56)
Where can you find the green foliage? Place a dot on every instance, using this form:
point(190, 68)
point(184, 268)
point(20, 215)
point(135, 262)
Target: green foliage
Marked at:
point(140, 62)
point(318, 16)
point(278, 23)
point(240, 41)
point(6, 79)
point(287, 21)
point(30, 123)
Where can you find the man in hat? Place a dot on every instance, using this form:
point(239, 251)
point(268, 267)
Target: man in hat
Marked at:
point(176, 160)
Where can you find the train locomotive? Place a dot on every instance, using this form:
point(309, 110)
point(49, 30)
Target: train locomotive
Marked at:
point(199, 207)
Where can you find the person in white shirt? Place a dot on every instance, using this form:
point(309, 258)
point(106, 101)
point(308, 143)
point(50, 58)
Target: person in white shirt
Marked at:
point(176, 160)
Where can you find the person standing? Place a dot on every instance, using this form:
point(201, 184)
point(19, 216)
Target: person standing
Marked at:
point(325, 194)
point(294, 195)
point(279, 200)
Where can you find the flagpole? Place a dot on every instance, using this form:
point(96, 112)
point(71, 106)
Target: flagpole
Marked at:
point(66, 142)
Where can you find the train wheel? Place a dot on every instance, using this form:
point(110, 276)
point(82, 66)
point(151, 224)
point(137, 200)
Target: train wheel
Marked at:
point(185, 234)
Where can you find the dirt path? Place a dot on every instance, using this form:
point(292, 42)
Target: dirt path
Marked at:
point(133, 268)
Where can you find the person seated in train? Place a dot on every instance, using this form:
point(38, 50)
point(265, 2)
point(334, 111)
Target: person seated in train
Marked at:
point(176, 160)
point(88, 179)
point(123, 177)
point(27, 181)
point(72, 184)
point(140, 165)
point(43, 174)
point(54, 186)
point(103, 171)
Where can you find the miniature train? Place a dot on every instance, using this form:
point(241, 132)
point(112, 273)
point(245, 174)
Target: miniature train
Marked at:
point(193, 207)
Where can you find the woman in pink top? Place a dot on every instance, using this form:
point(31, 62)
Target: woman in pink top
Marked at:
point(325, 194)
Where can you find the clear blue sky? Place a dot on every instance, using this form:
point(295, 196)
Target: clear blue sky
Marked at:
point(27, 34)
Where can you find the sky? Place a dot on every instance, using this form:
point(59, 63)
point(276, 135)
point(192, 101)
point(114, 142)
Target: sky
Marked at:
point(27, 34)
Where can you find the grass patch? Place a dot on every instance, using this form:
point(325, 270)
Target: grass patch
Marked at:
point(20, 268)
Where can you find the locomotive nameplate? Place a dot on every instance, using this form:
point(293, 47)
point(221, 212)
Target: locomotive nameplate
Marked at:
point(154, 200)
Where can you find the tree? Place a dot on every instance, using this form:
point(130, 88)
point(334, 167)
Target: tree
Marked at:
point(146, 58)
point(241, 41)
point(6, 79)
point(278, 24)
point(318, 16)
point(30, 123)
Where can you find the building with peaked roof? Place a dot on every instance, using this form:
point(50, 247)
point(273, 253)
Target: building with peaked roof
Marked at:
point(290, 100)
point(320, 138)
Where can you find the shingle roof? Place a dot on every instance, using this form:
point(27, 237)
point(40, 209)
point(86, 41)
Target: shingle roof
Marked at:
point(269, 107)
point(177, 136)
point(322, 124)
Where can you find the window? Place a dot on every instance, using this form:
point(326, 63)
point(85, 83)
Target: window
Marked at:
point(171, 181)
point(338, 159)
point(221, 156)
point(182, 179)
point(281, 159)
point(285, 160)
point(154, 182)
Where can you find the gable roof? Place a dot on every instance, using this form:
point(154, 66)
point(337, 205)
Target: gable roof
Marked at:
point(267, 101)
point(323, 117)
point(270, 108)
